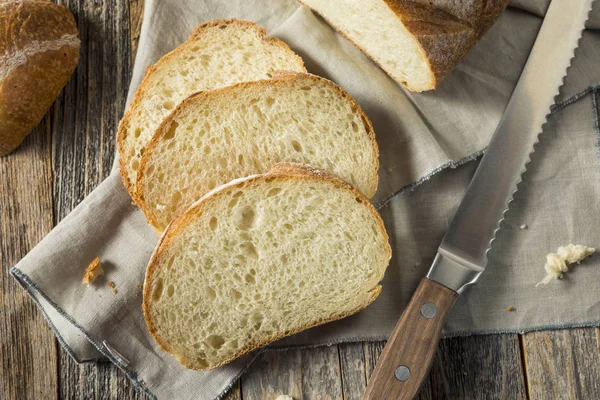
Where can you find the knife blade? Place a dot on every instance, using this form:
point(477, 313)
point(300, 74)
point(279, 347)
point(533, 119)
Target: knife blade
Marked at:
point(462, 255)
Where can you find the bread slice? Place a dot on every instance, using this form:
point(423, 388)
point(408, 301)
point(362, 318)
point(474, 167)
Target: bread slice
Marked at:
point(218, 53)
point(261, 258)
point(214, 137)
point(416, 42)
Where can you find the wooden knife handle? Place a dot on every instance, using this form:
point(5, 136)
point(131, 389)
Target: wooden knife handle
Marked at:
point(407, 356)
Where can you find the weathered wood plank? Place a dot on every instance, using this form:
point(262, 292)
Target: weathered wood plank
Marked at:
point(27, 345)
point(86, 117)
point(563, 364)
point(302, 374)
point(469, 368)
point(136, 16)
point(478, 367)
point(353, 370)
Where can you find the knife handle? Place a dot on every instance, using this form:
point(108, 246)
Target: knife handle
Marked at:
point(407, 356)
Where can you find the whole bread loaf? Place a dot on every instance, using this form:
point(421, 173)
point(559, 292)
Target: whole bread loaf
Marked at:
point(218, 53)
point(261, 258)
point(416, 42)
point(39, 50)
point(216, 136)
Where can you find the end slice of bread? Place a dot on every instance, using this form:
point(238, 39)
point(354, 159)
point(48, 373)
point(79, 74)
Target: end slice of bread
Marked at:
point(214, 137)
point(416, 42)
point(217, 54)
point(261, 258)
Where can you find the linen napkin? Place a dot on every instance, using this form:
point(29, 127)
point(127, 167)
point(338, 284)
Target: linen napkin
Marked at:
point(424, 139)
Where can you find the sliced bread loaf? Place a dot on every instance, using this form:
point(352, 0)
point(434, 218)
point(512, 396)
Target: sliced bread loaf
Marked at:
point(214, 137)
point(416, 42)
point(261, 258)
point(218, 53)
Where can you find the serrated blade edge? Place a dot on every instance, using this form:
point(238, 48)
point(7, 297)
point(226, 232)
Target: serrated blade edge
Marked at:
point(462, 255)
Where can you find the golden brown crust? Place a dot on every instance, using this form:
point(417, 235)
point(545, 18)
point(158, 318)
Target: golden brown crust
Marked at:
point(279, 78)
point(144, 87)
point(445, 29)
point(282, 172)
point(30, 87)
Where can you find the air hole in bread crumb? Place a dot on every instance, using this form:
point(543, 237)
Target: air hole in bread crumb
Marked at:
point(232, 203)
point(170, 290)
point(358, 200)
point(296, 146)
point(137, 132)
point(235, 294)
point(354, 126)
point(250, 279)
point(249, 250)
point(284, 259)
point(135, 164)
point(210, 293)
point(168, 104)
point(237, 194)
point(158, 289)
point(176, 198)
point(269, 101)
point(305, 87)
point(247, 218)
point(215, 341)
point(213, 223)
point(233, 344)
point(273, 192)
point(171, 132)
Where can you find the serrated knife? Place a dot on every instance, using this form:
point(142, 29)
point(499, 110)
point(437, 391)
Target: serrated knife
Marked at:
point(462, 255)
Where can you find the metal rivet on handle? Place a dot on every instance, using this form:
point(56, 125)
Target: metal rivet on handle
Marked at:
point(428, 310)
point(402, 373)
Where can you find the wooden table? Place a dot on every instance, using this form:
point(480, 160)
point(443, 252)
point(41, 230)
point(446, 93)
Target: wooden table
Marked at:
point(71, 151)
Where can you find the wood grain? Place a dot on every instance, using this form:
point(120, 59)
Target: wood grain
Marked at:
point(353, 370)
point(302, 374)
point(27, 345)
point(412, 344)
point(478, 367)
point(563, 364)
point(85, 120)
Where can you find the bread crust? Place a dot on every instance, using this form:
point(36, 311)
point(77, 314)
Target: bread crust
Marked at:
point(279, 78)
point(37, 64)
point(144, 87)
point(444, 29)
point(281, 172)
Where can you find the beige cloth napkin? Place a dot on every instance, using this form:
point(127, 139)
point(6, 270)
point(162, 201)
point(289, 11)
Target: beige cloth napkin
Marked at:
point(422, 137)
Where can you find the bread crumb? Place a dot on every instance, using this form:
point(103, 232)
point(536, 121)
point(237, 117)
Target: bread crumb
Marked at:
point(389, 170)
point(110, 284)
point(557, 263)
point(93, 271)
point(114, 291)
point(510, 308)
point(139, 287)
point(465, 373)
point(284, 397)
point(523, 227)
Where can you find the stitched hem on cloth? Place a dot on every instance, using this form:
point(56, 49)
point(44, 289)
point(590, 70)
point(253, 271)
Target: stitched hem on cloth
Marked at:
point(32, 288)
point(557, 106)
